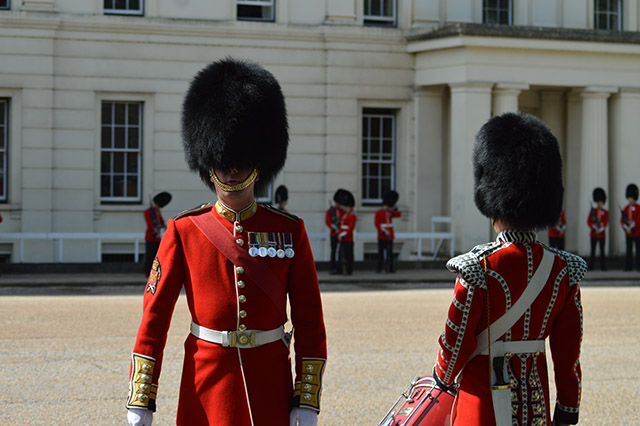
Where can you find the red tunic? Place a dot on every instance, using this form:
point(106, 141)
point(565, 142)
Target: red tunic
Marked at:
point(382, 220)
point(347, 226)
point(599, 225)
point(226, 385)
point(334, 227)
point(153, 225)
point(557, 231)
point(632, 211)
point(556, 313)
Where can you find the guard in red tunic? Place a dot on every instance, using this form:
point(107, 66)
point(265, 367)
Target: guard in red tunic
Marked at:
point(155, 228)
point(332, 219)
point(383, 222)
point(237, 263)
point(598, 220)
point(557, 233)
point(525, 289)
point(345, 235)
point(630, 221)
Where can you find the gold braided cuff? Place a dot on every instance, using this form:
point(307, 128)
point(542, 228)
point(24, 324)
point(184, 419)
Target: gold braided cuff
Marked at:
point(307, 392)
point(142, 393)
point(233, 188)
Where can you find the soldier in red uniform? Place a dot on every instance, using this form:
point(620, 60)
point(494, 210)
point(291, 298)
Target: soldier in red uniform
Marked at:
point(526, 290)
point(598, 220)
point(236, 262)
point(556, 233)
point(345, 234)
point(630, 221)
point(383, 222)
point(332, 219)
point(155, 227)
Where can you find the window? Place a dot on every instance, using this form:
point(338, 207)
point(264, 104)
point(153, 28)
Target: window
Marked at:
point(5, 4)
point(121, 152)
point(256, 10)
point(266, 195)
point(378, 153)
point(4, 142)
point(497, 12)
point(123, 7)
point(380, 12)
point(607, 15)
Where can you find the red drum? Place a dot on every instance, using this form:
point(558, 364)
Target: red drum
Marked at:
point(422, 404)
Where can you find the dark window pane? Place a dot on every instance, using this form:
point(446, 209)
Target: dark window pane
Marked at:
point(504, 17)
point(2, 112)
point(119, 113)
point(133, 142)
point(375, 127)
point(132, 162)
point(132, 186)
point(388, 7)
point(386, 186)
point(118, 162)
point(105, 185)
point(121, 4)
point(106, 137)
point(387, 129)
point(2, 141)
point(118, 186)
point(105, 162)
point(108, 4)
point(134, 5)
point(134, 114)
point(118, 137)
point(372, 191)
point(106, 113)
point(367, 7)
point(375, 8)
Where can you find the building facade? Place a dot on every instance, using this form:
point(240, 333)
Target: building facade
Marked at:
point(381, 94)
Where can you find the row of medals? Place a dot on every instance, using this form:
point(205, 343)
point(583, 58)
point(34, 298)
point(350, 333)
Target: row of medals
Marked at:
point(270, 248)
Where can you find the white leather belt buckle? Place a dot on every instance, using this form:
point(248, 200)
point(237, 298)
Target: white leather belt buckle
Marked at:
point(237, 339)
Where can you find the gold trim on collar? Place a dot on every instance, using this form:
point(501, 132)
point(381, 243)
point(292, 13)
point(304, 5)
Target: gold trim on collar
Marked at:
point(232, 215)
point(234, 188)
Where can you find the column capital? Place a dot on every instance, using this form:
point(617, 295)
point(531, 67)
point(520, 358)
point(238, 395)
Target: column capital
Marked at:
point(472, 86)
point(519, 87)
point(597, 91)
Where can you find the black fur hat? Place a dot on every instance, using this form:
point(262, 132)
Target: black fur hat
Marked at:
point(390, 198)
point(346, 198)
point(517, 171)
point(282, 194)
point(599, 195)
point(337, 197)
point(162, 199)
point(234, 115)
point(632, 191)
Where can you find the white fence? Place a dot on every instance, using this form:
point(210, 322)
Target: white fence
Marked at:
point(59, 238)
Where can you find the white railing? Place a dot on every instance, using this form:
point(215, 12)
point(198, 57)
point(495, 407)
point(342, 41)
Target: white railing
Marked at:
point(60, 237)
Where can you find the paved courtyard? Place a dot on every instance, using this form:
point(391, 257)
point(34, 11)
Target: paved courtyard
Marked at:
point(64, 360)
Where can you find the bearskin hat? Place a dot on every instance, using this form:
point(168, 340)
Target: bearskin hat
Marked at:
point(162, 199)
point(518, 171)
point(390, 198)
point(282, 194)
point(337, 196)
point(599, 195)
point(234, 116)
point(346, 198)
point(632, 191)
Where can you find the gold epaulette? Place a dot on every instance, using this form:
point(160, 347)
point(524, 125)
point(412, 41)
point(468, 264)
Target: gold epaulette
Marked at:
point(142, 393)
point(197, 209)
point(281, 213)
point(308, 391)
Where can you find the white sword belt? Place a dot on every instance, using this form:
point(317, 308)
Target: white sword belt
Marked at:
point(499, 348)
point(238, 339)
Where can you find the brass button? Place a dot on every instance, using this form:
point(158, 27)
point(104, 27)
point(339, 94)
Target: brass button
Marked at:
point(142, 397)
point(240, 242)
point(308, 387)
point(242, 327)
point(145, 378)
point(146, 368)
point(144, 387)
point(309, 377)
point(242, 298)
point(243, 314)
point(310, 368)
point(243, 340)
point(240, 270)
point(307, 396)
point(241, 284)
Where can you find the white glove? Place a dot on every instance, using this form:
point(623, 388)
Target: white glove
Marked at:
point(303, 417)
point(139, 417)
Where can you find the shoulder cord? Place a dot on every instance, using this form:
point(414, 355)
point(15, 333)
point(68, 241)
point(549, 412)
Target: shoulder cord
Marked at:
point(486, 275)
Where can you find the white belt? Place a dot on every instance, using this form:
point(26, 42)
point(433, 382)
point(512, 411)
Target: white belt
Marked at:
point(238, 339)
point(386, 225)
point(499, 348)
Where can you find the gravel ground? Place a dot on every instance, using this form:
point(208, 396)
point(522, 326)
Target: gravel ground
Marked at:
point(64, 359)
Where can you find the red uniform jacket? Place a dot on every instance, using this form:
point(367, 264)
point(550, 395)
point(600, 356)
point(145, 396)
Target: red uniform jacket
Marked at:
point(347, 226)
point(226, 386)
point(557, 231)
point(599, 225)
point(556, 313)
point(382, 220)
point(334, 227)
point(154, 223)
point(632, 211)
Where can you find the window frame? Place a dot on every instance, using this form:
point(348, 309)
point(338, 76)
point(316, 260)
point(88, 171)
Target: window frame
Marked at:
point(607, 14)
point(7, 7)
point(367, 113)
point(127, 11)
point(381, 20)
point(271, 4)
point(497, 8)
point(5, 123)
point(111, 199)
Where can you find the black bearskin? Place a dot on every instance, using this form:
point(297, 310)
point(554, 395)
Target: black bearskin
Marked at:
point(518, 172)
point(162, 199)
point(234, 116)
point(599, 195)
point(390, 198)
point(346, 198)
point(282, 194)
point(632, 191)
point(338, 195)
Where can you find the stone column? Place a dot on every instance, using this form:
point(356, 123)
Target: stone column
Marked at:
point(505, 97)
point(470, 109)
point(594, 155)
